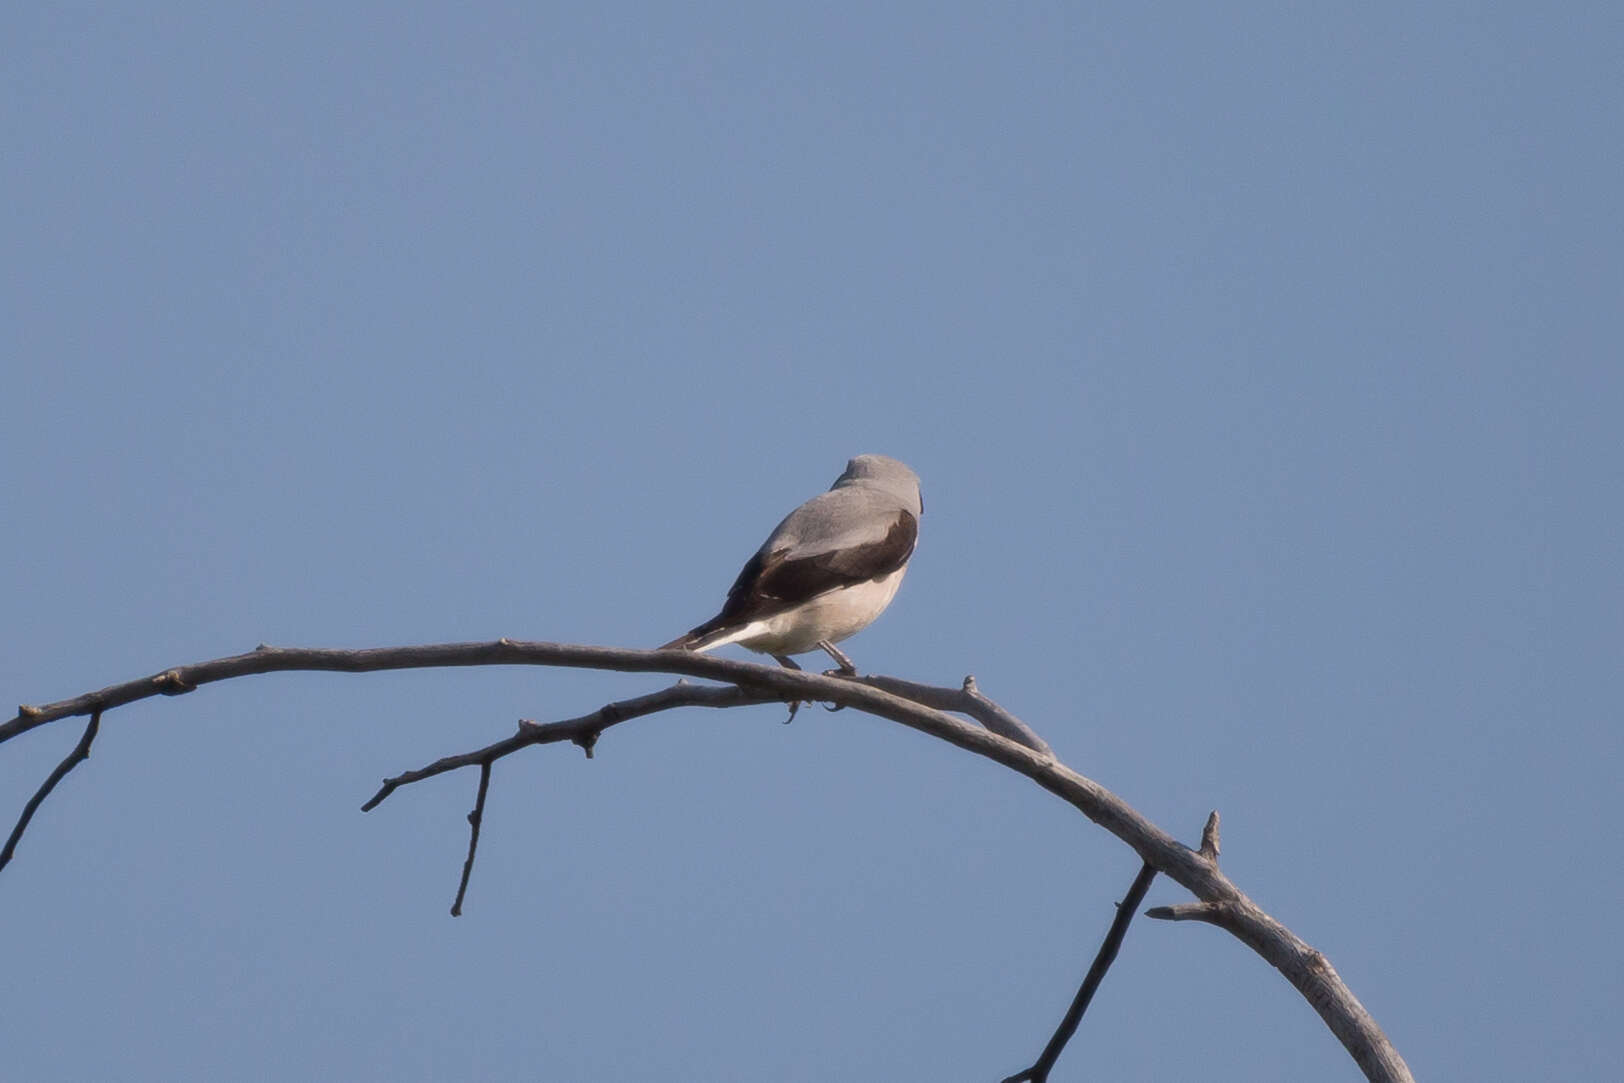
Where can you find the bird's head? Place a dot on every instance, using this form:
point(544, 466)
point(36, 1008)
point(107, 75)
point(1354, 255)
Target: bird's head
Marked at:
point(886, 474)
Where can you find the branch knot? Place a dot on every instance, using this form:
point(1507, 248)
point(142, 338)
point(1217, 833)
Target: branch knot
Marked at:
point(171, 683)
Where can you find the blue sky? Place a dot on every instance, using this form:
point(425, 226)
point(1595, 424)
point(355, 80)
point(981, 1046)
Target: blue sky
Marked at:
point(1262, 370)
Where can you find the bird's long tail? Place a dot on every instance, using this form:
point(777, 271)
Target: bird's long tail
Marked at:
point(713, 633)
point(685, 642)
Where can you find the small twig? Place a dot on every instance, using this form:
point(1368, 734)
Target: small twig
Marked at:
point(475, 818)
point(1039, 1072)
point(80, 753)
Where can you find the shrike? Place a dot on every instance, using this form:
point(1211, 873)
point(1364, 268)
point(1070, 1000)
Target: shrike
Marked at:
point(826, 572)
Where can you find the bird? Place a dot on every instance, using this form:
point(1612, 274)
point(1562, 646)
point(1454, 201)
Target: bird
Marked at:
point(826, 572)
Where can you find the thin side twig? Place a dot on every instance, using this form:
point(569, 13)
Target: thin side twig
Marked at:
point(1039, 1072)
point(583, 730)
point(80, 753)
point(475, 818)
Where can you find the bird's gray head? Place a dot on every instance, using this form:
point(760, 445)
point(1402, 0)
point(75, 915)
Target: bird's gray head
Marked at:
point(886, 474)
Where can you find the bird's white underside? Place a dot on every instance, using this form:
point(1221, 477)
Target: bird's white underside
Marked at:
point(831, 616)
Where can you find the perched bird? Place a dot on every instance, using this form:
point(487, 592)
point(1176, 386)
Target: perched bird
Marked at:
point(826, 572)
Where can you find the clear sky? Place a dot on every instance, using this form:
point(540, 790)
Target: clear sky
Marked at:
point(1262, 367)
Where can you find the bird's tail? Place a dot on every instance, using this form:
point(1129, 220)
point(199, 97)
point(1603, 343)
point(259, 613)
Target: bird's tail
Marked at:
point(713, 633)
point(685, 642)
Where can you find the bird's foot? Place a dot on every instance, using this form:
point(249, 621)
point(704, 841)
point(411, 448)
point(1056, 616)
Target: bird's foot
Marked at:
point(789, 663)
point(837, 673)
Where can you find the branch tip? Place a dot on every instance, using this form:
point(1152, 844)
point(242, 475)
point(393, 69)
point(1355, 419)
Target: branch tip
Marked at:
point(970, 684)
point(1210, 912)
point(1209, 838)
point(384, 791)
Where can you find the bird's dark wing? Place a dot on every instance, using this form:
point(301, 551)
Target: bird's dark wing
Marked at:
point(777, 583)
point(770, 583)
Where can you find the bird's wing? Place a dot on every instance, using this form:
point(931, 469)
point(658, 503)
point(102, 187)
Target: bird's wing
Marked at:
point(780, 579)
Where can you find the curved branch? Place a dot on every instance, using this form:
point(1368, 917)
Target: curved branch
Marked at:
point(967, 700)
point(1307, 970)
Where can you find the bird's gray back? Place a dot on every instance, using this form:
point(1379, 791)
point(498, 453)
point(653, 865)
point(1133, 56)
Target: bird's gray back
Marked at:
point(841, 518)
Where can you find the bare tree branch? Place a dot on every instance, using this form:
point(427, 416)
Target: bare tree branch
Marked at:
point(583, 731)
point(1039, 1072)
point(80, 753)
point(1308, 971)
point(1040, 1069)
